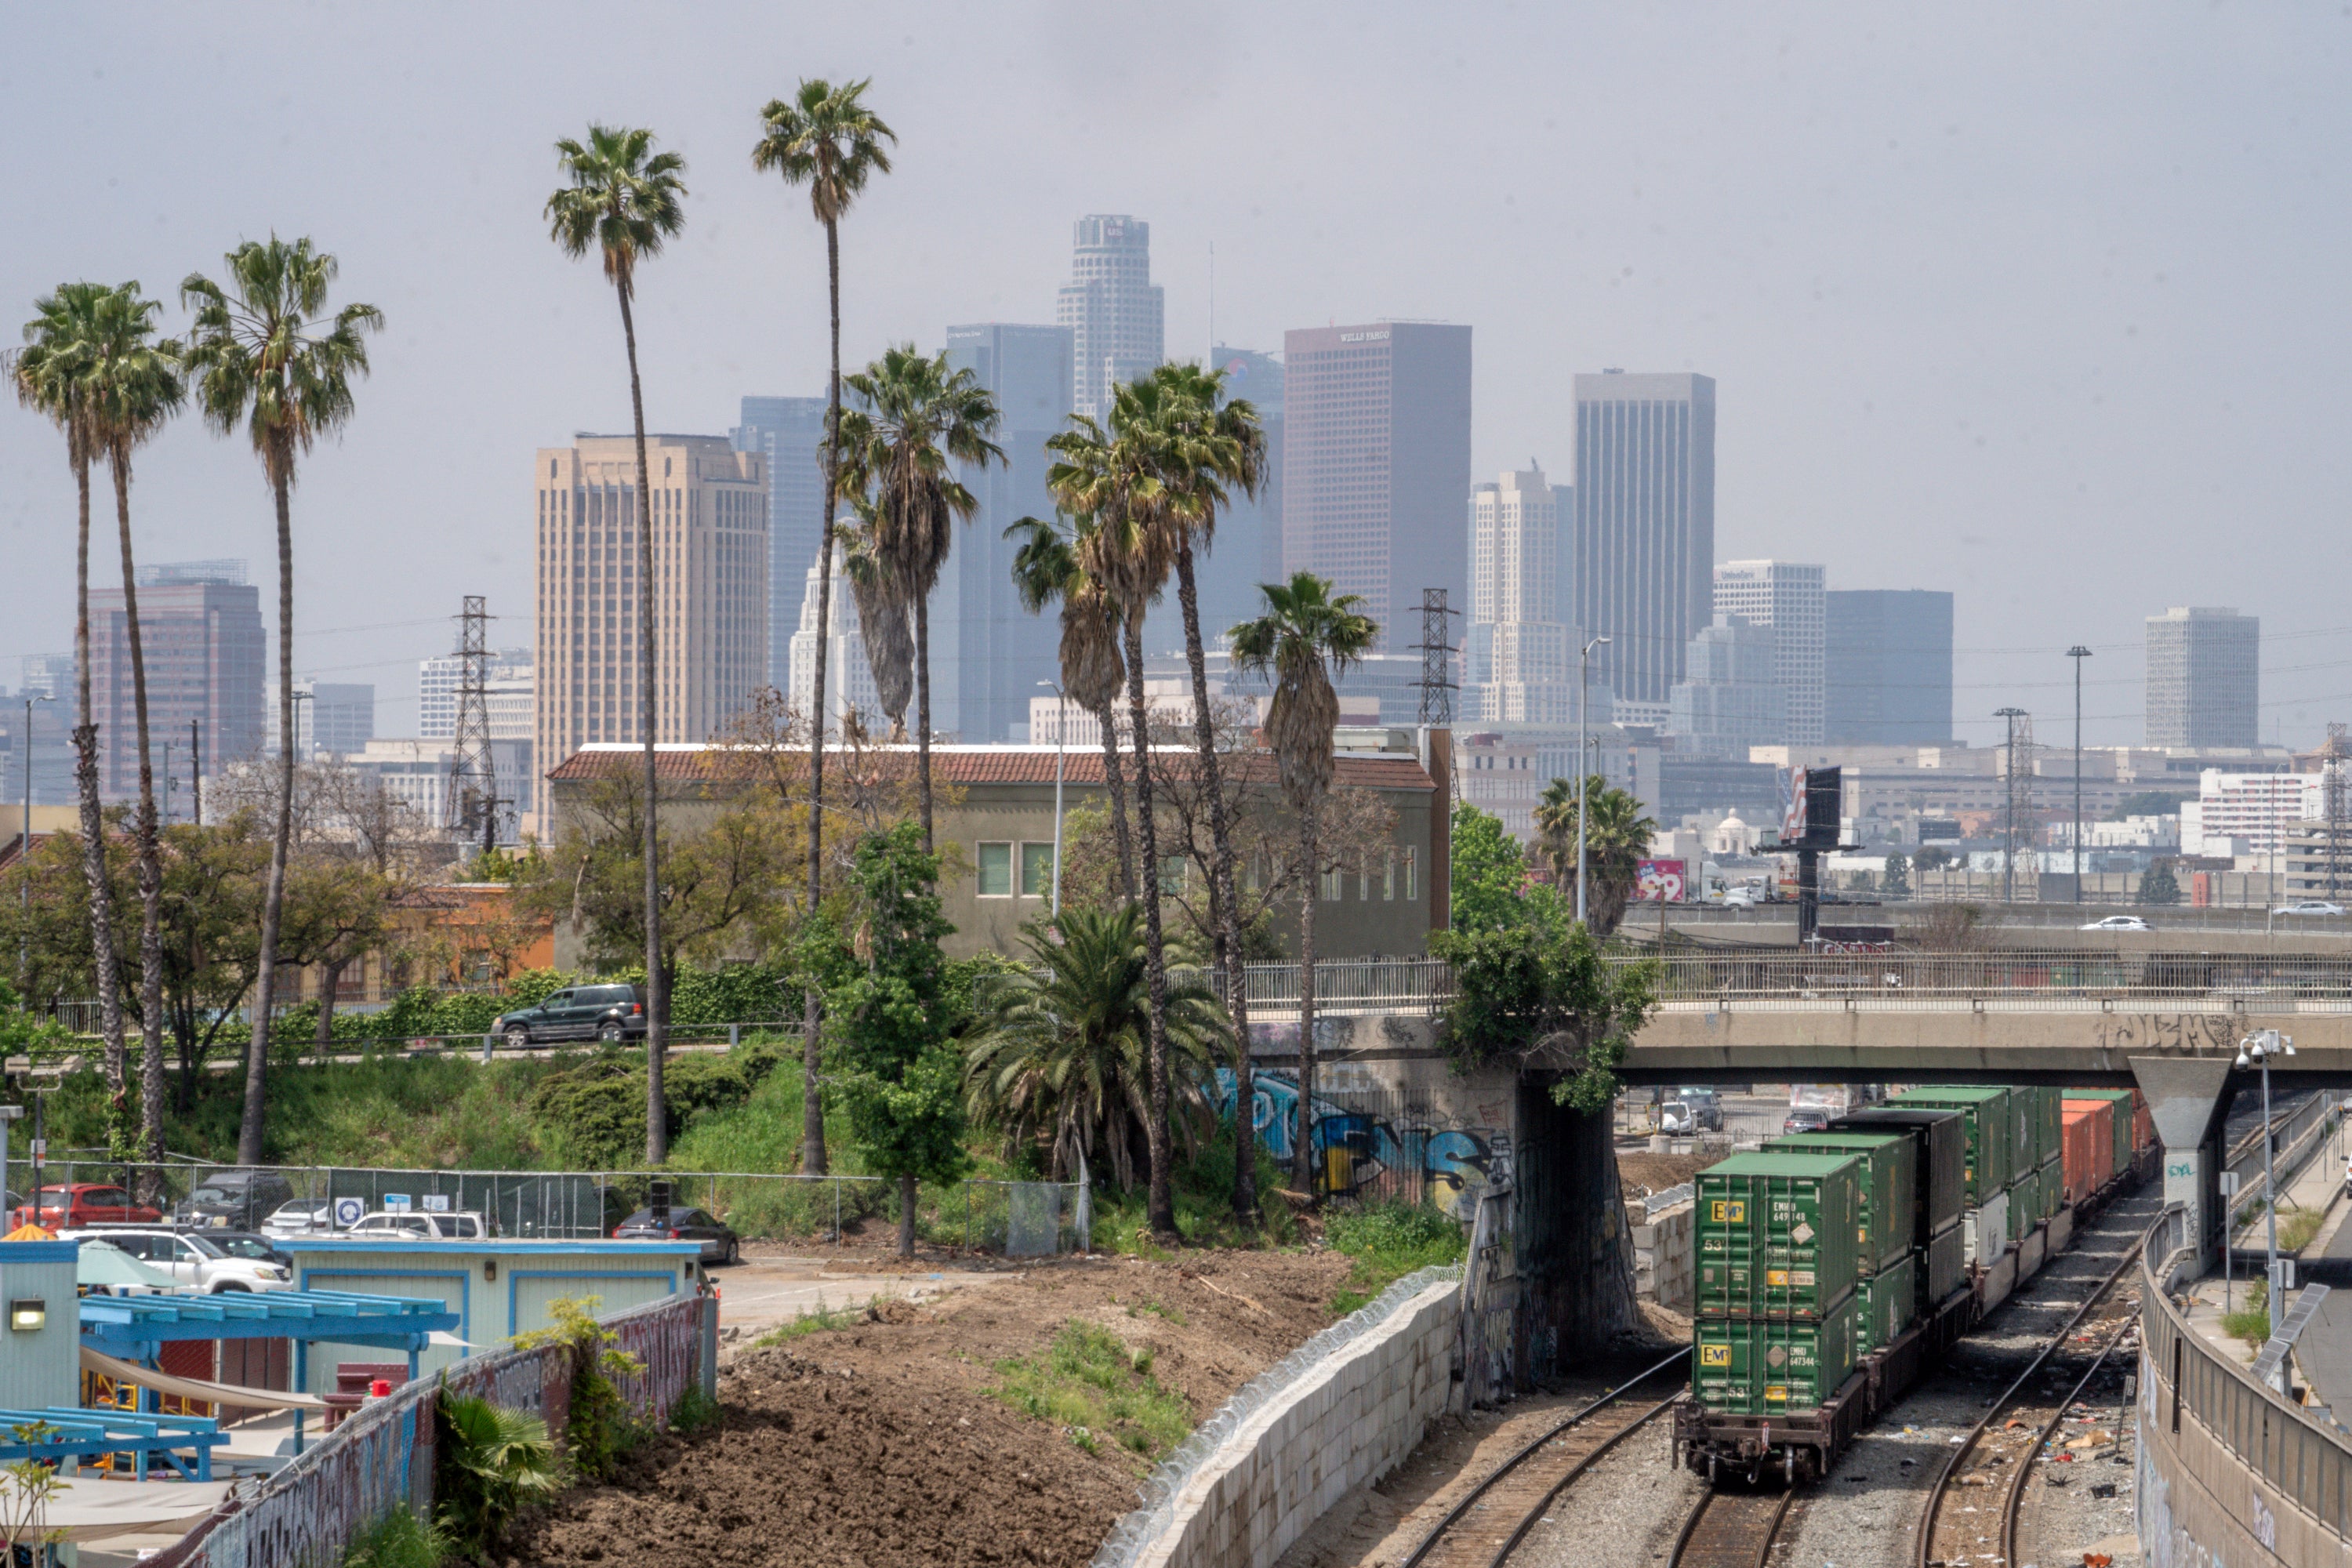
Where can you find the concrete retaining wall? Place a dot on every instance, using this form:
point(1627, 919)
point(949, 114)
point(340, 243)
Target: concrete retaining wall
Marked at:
point(1662, 1248)
point(1346, 1422)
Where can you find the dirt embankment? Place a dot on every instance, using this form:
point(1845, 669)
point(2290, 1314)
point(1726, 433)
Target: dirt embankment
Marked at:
point(879, 1445)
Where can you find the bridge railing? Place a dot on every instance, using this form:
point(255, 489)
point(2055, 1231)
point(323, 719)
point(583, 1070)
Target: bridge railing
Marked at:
point(1347, 985)
point(2303, 982)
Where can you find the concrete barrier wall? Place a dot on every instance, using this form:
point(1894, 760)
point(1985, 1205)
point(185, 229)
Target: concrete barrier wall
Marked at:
point(1346, 1422)
point(1662, 1248)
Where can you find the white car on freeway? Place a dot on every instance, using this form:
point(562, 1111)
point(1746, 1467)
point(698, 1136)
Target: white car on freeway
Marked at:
point(208, 1264)
point(414, 1225)
point(2118, 922)
point(2310, 907)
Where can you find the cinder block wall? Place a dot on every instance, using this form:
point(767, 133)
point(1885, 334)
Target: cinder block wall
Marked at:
point(1347, 1421)
point(1662, 1253)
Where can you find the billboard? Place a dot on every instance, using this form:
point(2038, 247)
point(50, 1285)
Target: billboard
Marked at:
point(1660, 881)
point(1816, 806)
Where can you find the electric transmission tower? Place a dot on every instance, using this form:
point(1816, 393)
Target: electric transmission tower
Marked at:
point(471, 810)
point(1436, 650)
point(2332, 754)
point(2017, 794)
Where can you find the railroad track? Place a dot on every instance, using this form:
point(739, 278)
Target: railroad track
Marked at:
point(1999, 1449)
point(1485, 1526)
point(1731, 1528)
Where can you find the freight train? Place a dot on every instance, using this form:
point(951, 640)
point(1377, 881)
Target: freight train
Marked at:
point(1831, 1265)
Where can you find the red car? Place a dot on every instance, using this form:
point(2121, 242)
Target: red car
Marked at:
point(84, 1202)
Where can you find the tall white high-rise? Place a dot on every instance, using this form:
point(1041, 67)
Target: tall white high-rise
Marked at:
point(1516, 665)
point(1115, 314)
point(849, 678)
point(1793, 600)
point(1644, 535)
point(2204, 677)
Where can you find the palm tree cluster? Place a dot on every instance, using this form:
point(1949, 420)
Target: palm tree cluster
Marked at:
point(262, 352)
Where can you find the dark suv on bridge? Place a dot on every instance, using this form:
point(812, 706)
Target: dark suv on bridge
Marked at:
point(612, 1013)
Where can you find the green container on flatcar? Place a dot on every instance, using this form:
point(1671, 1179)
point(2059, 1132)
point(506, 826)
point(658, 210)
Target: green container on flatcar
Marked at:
point(1764, 1366)
point(2024, 1204)
point(1992, 1123)
point(1886, 1218)
point(1777, 1235)
point(1944, 1267)
point(2053, 1188)
point(2052, 1103)
point(1885, 1305)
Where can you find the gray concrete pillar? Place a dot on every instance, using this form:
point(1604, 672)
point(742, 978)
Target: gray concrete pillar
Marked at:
point(2187, 1097)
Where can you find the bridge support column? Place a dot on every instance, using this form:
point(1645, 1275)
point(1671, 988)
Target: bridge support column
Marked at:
point(2188, 1097)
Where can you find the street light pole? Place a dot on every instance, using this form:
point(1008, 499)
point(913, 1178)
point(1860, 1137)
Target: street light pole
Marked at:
point(1583, 750)
point(2078, 653)
point(2258, 1048)
point(1061, 738)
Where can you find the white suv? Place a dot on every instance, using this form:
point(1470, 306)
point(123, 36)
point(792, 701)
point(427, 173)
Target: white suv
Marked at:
point(194, 1258)
point(414, 1226)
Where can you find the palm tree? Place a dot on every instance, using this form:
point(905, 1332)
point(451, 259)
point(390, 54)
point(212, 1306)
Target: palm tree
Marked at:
point(918, 415)
point(1046, 570)
point(1208, 444)
point(1061, 1051)
point(826, 139)
point(624, 200)
point(136, 387)
point(1304, 629)
point(1615, 839)
point(882, 629)
point(53, 376)
point(264, 353)
point(1115, 480)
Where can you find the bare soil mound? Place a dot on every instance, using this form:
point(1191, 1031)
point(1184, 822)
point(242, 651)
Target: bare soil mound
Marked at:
point(880, 1444)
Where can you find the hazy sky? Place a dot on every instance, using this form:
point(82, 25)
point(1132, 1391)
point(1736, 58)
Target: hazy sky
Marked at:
point(2044, 306)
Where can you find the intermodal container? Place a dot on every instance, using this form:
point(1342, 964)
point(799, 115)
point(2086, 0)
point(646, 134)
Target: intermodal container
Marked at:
point(2053, 1186)
point(2024, 1204)
point(1777, 1235)
point(1887, 1211)
point(2025, 1153)
point(1762, 1367)
point(2051, 1101)
point(1885, 1305)
point(2122, 1106)
point(1945, 1267)
point(1988, 1232)
point(2090, 1146)
point(1942, 1137)
point(1992, 1128)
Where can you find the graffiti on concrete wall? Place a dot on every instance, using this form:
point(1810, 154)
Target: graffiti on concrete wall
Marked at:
point(2194, 1034)
point(1373, 1144)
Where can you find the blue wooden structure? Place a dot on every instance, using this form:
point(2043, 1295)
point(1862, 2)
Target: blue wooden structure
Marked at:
point(81, 1433)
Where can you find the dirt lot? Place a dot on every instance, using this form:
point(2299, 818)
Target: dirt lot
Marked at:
point(879, 1443)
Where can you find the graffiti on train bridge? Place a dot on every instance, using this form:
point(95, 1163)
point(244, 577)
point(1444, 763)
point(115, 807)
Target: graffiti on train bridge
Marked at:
point(1367, 1148)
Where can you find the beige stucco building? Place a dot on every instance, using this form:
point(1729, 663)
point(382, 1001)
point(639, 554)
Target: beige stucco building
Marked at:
point(710, 570)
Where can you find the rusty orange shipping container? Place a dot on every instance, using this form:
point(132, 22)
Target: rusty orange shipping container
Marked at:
point(2089, 1143)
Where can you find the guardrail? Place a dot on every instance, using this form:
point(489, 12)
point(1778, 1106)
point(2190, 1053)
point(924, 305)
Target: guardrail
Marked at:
point(2301, 982)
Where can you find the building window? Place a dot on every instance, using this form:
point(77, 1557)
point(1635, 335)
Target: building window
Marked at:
point(996, 870)
point(1411, 879)
point(1388, 876)
point(1037, 870)
point(1363, 878)
point(1328, 886)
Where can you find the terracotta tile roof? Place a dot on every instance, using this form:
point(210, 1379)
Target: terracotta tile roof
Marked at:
point(978, 765)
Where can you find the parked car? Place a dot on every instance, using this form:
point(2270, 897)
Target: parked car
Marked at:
point(195, 1257)
point(2309, 907)
point(79, 1205)
point(609, 1013)
point(1806, 1118)
point(234, 1200)
point(720, 1242)
point(2118, 922)
point(1692, 1110)
point(417, 1226)
point(303, 1216)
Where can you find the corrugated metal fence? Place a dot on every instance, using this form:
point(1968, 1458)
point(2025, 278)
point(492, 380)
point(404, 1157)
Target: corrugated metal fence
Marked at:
point(382, 1457)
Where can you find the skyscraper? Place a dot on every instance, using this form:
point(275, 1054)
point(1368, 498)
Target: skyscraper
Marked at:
point(710, 565)
point(988, 653)
point(2204, 677)
point(1790, 598)
point(1115, 315)
point(336, 718)
point(1887, 667)
point(1247, 547)
point(848, 676)
point(1729, 698)
point(789, 432)
point(1375, 462)
point(1515, 663)
point(201, 636)
point(436, 694)
point(1645, 536)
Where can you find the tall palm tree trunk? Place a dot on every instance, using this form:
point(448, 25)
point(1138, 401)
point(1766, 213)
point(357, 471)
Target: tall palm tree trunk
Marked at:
point(1303, 1155)
point(1160, 1206)
point(1225, 909)
point(273, 902)
point(656, 991)
point(93, 825)
point(923, 712)
point(150, 857)
point(1114, 780)
point(811, 1089)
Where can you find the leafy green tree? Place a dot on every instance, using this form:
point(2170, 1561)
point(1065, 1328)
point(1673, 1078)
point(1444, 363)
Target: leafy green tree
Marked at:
point(824, 137)
point(919, 416)
point(900, 1073)
point(263, 354)
point(488, 1462)
point(623, 200)
point(1531, 994)
point(1058, 1054)
point(53, 376)
point(1895, 880)
point(2158, 887)
point(1615, 839)
point(1305, 632)
point(1489, 873)
point(1931, 858)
